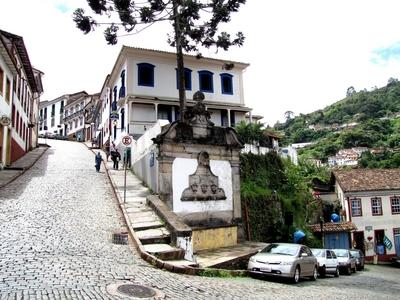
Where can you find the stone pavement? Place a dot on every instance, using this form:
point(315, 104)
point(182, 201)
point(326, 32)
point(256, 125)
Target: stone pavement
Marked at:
point(18, 167)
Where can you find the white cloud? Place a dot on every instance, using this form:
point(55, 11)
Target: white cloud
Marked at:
point(303, 54)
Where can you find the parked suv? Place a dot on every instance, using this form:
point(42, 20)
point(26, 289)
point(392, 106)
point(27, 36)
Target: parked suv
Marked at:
point(347, 262)
point(327, 262)
point(360, 259)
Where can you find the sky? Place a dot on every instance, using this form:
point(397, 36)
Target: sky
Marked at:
point(303, 55)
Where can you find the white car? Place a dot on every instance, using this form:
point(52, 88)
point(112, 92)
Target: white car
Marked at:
point(327, 262)
point(284, 260)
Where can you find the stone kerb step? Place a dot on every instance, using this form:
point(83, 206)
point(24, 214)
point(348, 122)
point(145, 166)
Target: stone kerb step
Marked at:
point(165, 252)
point(154, 236)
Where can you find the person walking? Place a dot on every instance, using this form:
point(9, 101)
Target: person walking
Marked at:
point(98, 159)
point(115, 157)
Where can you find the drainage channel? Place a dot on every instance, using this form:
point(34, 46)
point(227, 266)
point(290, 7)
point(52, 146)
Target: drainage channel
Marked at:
point(129, 290)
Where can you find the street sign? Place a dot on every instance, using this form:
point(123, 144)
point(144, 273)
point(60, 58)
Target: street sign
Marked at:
point(127, 140)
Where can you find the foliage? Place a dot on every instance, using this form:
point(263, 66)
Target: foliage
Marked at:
point(254, 133)
point(276, 195)
point(362, 119)
point(196, 29)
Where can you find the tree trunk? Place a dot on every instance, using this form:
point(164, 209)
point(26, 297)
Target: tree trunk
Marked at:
point(180, 64)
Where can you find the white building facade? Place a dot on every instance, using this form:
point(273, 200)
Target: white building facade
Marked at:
point(143, 88)
point(20, 90)
point(74, 116)
point(370, 198)
point(51, 116)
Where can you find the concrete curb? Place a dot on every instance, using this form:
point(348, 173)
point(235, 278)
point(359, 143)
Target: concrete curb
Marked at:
point(28, 167)
point(156, 262)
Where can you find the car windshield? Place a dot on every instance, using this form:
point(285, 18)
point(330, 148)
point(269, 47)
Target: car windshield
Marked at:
point(355, 253)
point(318, 252)
point(341, 252)
point(281, 249)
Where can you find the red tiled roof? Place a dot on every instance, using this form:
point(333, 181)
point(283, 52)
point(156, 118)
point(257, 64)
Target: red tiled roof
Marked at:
point(358, 180)
point(333, 227)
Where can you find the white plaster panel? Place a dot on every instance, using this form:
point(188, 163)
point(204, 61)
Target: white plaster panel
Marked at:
point(182, 168)
point(143, 112)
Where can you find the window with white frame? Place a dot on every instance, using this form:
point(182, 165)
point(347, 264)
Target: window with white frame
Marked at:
point(395, 204)
point(356, 210)
point(80, 121)
point(376, 206)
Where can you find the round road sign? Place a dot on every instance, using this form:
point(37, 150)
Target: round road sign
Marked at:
point(127, 140)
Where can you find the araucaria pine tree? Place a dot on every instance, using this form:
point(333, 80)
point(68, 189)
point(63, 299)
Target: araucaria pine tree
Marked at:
point(194, 24)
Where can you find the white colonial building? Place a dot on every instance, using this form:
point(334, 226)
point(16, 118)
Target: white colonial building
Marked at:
point(370, 198)
point(20, 90)
point(143, 88)
point(74, 116)
point(51, 116)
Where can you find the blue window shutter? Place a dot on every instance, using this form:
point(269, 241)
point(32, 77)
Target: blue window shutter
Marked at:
point(146, 74)
point(206, 83)
point(226, 84)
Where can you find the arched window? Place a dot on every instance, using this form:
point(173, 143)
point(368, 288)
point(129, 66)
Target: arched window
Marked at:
point(206, 81)
point(188, 79)
point(145, 74)
point(226, 84)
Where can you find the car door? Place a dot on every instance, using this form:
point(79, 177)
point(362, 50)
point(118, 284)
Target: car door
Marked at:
point(330, 265)
point(307, 260)
point(335, 262)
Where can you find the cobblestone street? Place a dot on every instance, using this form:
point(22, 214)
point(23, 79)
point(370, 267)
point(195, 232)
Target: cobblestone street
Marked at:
point(56, 222)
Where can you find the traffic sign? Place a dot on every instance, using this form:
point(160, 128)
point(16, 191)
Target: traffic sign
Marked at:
point(127, 140)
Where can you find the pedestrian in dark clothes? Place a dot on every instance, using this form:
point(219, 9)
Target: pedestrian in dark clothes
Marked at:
point(98, 159)
point(115, 157)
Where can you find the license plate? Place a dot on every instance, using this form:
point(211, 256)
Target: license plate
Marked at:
point(265, 269)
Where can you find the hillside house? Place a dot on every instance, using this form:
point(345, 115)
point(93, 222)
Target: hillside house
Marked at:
point(370, 199)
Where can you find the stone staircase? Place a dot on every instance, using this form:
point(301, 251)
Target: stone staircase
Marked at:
point(146, 224)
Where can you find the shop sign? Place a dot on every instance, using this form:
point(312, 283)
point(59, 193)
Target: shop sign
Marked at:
point(387, 242)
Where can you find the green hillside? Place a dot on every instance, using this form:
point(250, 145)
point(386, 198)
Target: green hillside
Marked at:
point(362, 119)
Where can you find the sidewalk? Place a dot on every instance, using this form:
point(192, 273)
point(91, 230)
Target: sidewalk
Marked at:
point(20, 166)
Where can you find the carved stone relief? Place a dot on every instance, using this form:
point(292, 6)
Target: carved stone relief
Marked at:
point(203, 184)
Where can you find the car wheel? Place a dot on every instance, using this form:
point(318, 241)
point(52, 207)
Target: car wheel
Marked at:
point(362, 268)
point(296, 276)
point(337, 272)
point(315, 274)
point(322, 271)
point(348, 270)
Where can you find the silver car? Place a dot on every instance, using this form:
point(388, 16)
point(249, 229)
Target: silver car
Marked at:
point(284, 260)
point(347, 262)
point(327, 262)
